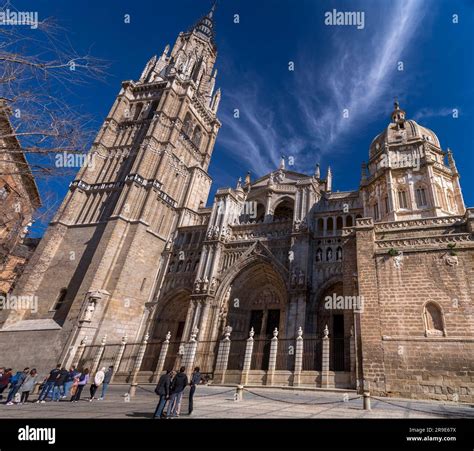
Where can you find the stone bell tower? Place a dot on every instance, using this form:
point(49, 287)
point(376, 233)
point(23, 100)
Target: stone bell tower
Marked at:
point(96, 268)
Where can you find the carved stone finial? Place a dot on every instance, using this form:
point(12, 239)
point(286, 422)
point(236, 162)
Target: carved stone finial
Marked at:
point(275, 333)
point(146, 337)
point(251, 333)
point(84, 341)
point(104, 340)
point(300, 332)
point(124, 339)
point(194, 333)
point(227, 332)
point(326, 331)
point(168, 336)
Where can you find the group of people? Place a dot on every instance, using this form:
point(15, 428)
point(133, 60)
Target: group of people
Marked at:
point(170, 388)
point(59, 384)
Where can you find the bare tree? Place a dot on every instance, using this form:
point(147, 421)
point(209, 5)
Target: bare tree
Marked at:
point(39, 71)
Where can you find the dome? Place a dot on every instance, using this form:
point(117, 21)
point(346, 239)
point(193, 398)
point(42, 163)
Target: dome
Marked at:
point(401, 131)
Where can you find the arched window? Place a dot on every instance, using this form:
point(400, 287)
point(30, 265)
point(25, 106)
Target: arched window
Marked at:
point(328, 254)
point(180, 266)
point(451, 203)
point(433, 318)
point(284, 211)
point(60, 299)
point(441, 198)
point(329, 225)
point(138, 110)
point(319, 255)
point(339, 223)
point(349, 221)
point(320, 227)
point(339, 253)
point(420, 195)
point(197, 136)
point(402, 199)
point(376, 211)
point(188, 124)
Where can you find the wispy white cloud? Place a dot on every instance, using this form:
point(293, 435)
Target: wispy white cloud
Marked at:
point(424, 113)
point(310, 125)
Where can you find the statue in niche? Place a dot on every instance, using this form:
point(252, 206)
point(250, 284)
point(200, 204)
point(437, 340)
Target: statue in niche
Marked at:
point(89, 312)
point(301, 278)
point(293, 278)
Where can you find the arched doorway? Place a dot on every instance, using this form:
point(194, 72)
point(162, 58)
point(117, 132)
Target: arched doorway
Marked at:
point(170, 317)
point(258, 300)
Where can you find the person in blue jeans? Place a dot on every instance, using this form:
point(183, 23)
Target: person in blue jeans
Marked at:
point(58, 391)
point(49, 383)
point(15, 386)
point(72, 373)
point(107, 378)
point(163, 391)
point(178, 385)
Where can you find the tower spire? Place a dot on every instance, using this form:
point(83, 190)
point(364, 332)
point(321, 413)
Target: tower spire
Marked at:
point(205, 25)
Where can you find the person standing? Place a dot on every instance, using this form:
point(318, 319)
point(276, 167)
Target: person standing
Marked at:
point(177, 387)
point(82, 382)
point(107, 378)
point(15, 386)
point(71, 374)
point(163, 391)
point(98, 379)
point(49, 383)
point(59, 384)
point(5, 376)
point(28, 385)
point(195, 381)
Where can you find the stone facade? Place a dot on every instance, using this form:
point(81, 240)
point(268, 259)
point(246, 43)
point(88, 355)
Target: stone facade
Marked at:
point(368, 289)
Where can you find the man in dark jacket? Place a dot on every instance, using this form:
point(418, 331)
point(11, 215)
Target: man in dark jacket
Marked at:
point(49, 383)
point(107, 378)
point(59, 384)
point(195, 380)
point(177, 387)
point(163, 391)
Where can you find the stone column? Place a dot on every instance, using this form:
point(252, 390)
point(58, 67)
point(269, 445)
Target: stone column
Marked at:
point(79, 352)
point(298, 358)
point(98, 355)
point(247, 358)
point(325, 362)
point(352, 351)
point(161, 360)
point(190, 352)
point(223, 356)
point(272, 358)
point(118, 357)
point(138, 364)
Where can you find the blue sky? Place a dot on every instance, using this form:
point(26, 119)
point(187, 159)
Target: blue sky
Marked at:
point(296, 113)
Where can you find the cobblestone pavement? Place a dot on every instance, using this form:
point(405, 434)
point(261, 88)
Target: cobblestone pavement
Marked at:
point(218, 402)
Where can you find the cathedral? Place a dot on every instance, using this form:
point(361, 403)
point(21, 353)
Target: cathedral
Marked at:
point(281, 281)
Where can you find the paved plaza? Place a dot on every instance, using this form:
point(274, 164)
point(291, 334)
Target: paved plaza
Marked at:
point(257, 402)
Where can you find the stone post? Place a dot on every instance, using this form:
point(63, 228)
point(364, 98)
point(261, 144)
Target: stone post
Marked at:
point(223, 356)
point(190, 352)
point(161, 360)
point(298, 358)
point(272, 358)
point(352, 355)
point(79, 352)
point(98, 355)
point(247, 358)
point(325, 362)
point(138, 364)
point(118, 357)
